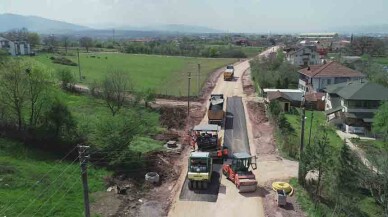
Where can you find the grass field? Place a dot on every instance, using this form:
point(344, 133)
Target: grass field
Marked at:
point(318, 120)
point(381, 60)
point(167, 75)
point(26, 190)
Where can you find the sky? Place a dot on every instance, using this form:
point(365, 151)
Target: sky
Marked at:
point(255, 16)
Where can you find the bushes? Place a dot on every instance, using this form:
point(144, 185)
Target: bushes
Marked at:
point(63, 61)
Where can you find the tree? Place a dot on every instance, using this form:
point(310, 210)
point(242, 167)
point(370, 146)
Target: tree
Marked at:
point(115, 88)
point(66, 77)
point(33, 38)
point(65, 42)
point(367, 45)
point(86, 42)
point(39, 82)
point(318, 157)
point(380, 121)
point(51, 42)
point(59, 118)
point(13, 91)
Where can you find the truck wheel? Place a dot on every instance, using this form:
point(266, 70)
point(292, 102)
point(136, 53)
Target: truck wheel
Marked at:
point(199, 184)
point(204, 185)
point(194, 184)
point(190, 184)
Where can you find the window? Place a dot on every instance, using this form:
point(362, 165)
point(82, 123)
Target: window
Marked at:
point(328, 81)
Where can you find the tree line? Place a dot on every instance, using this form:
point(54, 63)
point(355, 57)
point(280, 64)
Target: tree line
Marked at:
point(274, 72)
point(33, 109)
point(182, 48)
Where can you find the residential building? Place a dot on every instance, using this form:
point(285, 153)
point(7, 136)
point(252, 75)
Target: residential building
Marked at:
point(286, 97)
point(351, 105)
point(15, 48)
point(304, 56)
point(316, 77)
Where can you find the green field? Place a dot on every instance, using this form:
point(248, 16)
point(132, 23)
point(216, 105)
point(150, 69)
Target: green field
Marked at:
point(318, 120)
point(26, 189)
point(165, 74)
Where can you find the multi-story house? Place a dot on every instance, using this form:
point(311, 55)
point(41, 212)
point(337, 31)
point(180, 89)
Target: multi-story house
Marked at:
point(352, 105)
point(15, 48)
point(304, 56)
point(316, 78)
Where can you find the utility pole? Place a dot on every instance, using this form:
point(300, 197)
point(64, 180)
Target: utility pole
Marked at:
point(311, 125)
point(300, 172)
point(188, 94)
point(79, 66)
point(199, 78)
point(83, 158)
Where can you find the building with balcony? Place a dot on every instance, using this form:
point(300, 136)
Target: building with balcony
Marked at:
point(351, 105)
point(304, 56)
point(316, 77)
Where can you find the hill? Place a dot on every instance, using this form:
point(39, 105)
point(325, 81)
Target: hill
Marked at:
point(37, 24)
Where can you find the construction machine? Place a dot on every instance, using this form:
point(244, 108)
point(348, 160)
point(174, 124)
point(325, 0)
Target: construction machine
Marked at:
point(215, 113)
point(199, 171)
point(229, 73)
point(205, 138)
point(238, 171)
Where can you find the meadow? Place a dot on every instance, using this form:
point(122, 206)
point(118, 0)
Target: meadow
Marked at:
point(167, 75)
point(35, 183)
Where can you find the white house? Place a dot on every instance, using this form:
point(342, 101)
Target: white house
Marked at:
point(315, 78)
point(352, 105)
point(15, 48)
point(305, 56)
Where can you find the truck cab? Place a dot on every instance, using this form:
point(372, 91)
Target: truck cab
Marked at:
point(229, 73)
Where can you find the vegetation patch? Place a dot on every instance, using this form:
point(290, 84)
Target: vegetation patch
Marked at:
point(33, 182)
point(63, 61)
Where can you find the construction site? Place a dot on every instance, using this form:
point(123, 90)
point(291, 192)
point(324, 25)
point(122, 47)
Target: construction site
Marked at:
point(223, 155)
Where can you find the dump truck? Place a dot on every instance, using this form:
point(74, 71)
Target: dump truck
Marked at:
point(205, 138)
point(238, 171)
point(199, 171)
point(216, 113)
point(229, 73)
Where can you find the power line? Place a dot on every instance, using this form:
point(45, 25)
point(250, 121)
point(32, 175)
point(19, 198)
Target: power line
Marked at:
point(60, 187)
point(47, 188)
point(66, 192)
point(37, 182)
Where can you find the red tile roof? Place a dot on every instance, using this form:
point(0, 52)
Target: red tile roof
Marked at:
point(313, 97)
point(330, 69)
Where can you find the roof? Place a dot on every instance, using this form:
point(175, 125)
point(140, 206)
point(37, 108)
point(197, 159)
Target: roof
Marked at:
point(207, 127)
point(199, 154)
point(276, 95)
point(3, 39)
point(289, 94)
point(313, 97)
point(360, 115)
point(330, 69)
point(283, 90)
point(311, 47)
point(241, 155)
point(335, 109)
point(359, 90)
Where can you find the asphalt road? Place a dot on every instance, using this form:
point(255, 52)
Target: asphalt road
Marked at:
point(208, 195)
point(235, 135)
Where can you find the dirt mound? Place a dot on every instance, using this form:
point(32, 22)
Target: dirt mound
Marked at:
point(173, 117)
point(248, 85)
point(263, 133)
point(259, 110)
